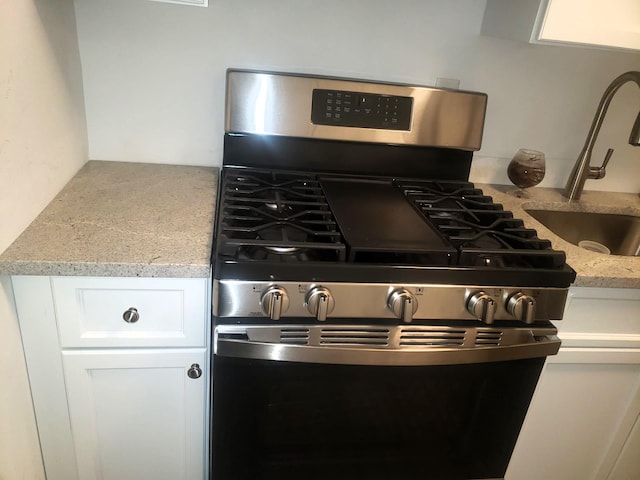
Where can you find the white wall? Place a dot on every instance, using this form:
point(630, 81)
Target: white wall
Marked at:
point(154, 75)
point(43, 142)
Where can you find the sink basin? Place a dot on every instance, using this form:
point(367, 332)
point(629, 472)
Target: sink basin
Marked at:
point(620, 234)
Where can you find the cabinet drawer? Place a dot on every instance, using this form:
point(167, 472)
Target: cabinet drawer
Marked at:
point(170, 312)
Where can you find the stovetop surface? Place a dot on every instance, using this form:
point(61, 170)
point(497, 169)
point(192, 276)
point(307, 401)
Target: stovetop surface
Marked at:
point(281, 221)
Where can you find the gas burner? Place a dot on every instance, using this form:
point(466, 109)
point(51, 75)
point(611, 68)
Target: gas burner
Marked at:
point(280, 237)
point(273, 253)
point(267, 215)
point(445, 196)
point(282, 250)
point(279, 208)
point(482, 232)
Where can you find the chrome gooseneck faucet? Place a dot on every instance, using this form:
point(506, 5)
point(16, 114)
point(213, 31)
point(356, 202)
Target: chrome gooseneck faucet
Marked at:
point(582, 170)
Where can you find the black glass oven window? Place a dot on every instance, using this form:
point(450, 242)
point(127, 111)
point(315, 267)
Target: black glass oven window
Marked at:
point(277, 420)
point(366, 110)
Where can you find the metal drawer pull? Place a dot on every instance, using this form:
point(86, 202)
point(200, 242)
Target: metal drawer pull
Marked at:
point(194, 371)
point(131, 315)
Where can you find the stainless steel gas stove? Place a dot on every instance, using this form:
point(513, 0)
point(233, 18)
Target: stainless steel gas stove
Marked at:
point(351, 250)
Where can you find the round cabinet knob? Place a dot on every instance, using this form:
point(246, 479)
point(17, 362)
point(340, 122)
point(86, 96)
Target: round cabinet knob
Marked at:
point(319, 302)
point(403, 304)
point(274, 302)
point(522, 307)
point(194, 371)
point(482, 306)
point(131, 315)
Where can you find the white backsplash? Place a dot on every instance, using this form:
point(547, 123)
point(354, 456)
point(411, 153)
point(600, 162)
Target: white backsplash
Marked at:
point(154, 75)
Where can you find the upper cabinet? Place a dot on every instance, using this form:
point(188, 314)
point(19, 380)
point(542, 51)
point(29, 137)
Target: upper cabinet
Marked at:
point(611, 24)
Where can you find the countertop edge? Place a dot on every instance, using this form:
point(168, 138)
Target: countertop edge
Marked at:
point(91, 269)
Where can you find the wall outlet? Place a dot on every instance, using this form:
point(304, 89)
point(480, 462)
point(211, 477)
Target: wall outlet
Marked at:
point(450, 83)
point(195, 3)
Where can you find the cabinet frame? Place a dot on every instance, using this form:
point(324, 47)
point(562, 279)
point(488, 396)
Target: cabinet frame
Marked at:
point(600, 330)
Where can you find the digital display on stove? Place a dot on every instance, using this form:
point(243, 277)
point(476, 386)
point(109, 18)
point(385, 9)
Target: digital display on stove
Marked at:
point(365, 110)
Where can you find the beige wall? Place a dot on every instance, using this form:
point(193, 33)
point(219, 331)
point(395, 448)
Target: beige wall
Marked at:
point(43, 143)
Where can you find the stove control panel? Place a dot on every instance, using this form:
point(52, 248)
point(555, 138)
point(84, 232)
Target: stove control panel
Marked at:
point(407, 303)
point(356, 109)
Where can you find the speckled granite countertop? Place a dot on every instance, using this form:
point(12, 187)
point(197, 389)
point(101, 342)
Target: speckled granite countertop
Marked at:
point(593, 269)
point(122, 219)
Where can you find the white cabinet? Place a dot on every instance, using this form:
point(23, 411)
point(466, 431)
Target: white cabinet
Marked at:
point(628, 463)
point(116, 399)
point(135, 414)
point(593, 23)
point(582, 422)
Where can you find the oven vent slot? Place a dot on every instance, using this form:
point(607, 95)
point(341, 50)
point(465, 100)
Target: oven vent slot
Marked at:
point(431, 337)
point(357, 336)
point(488, 338)
point(294, 336)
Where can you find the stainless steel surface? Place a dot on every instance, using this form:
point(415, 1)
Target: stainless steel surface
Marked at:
point(582, 169)
point(274, 301)
point(482, 306)
point(522, 307)
point(319, 302)
point(194, 371)
point(131, 315)
point(379, 345)
point(403, 304)
point(280, 104)
point(619, 233)
point(239, 298)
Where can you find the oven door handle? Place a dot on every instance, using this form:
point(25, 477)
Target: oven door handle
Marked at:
point(239, 345)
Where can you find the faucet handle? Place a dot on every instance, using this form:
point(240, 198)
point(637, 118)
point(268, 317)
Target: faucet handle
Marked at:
point(596, 173)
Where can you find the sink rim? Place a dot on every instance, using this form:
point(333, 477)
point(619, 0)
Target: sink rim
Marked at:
point(623, 240)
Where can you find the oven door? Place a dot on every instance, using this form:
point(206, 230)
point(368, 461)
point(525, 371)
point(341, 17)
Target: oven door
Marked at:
point(354, 402)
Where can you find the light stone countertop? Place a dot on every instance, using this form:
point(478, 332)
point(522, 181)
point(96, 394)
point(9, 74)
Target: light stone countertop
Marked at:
point(122, 219)
point(593, 269)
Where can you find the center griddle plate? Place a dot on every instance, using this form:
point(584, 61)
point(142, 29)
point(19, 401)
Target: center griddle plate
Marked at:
point(378, 223)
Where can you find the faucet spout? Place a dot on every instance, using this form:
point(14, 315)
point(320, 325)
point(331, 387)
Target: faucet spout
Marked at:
point(582, 170)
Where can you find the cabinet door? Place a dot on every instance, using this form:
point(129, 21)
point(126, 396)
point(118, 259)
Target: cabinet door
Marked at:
point(580, 416)
point(136, 414)
point(627, 466)
point(611, 24)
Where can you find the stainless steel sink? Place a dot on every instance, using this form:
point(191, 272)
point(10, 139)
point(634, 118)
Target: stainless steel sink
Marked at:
point(620, 234)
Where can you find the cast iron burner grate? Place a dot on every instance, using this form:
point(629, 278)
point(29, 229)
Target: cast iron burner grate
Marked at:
point(278, 217)
point(483, 233)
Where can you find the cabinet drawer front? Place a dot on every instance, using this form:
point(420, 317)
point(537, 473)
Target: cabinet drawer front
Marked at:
point(168, 312)
point(601, 317)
